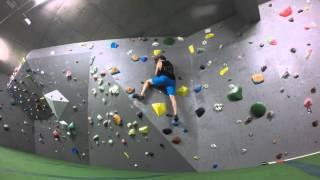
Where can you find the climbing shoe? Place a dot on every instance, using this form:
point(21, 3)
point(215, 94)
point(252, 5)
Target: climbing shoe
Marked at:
point(137, 96)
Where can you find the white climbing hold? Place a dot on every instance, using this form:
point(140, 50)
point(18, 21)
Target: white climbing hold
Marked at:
point(114, 90)
point(243, 150)
point(209, 63)
point(218, 107)
point(64, 124)
point(207, 30)
point(213, 146)
point(179, 38)
point(110, 141)
point(205, 86)
point(99, 117)
point(57, 102)
point(94, 91)
point(155, 44)
point(204, 42)
point(135, 165)
point(238, 121)
point(129, 52)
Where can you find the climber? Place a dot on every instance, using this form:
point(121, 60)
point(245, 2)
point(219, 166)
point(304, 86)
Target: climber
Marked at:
point(164, 77)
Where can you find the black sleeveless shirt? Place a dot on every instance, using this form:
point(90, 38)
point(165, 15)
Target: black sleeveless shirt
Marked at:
point(167, 70)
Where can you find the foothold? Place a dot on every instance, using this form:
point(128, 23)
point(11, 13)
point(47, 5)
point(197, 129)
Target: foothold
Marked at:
point(296, 76)
point(117, 119)
point(95, 137)
point(6, 127)
point(144, 130)
point(291, 19)
point(257, 78)
point(136, 165)
point(261, 45)
point(279, 156)
point(209, 36)
point(176, 140)
point(174, 122)
point(159, 108)
point(270, 115)
point(155, 44)
point(196, 157)
point(274, 141)
point(258, 109)
point(282, 90)
point(110, 142)
point(169, 41)
point(315, 123)
point(143, 58)
point(114, 71)
point(123, 141)
point(307, 104)
point(224, 70)
point(293, 50)
point(75, 108)
point(235, 93)
point(135, 58)
point(313, 90)
point(114, 45)
point(71, 126)
point(308, 54)
point(244, 151)
point(250, 134)
point(181, 39)
point(239, 121)
point(286, 12)
point(200, 112)
point(285, 75)
point(126, 155)
point(130, 90)
point(99, 117)
point(132, 132)
point(69, 75)
point(197, 88)
point(218, 107)
point(264, 68)
point(200, 50)
point(215, 166)
point(213, 146)
point(202, 67)
point(1, 117)
point(182, 91)
point(249, 120)
point(167, 131)
point(191, 49)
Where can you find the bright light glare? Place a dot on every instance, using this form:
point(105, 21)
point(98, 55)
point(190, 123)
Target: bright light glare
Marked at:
point(4, 51)
point(39, 1)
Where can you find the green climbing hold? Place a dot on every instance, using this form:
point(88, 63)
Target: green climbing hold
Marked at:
point(258, 109)
point(71, 126)
point(235, 94)
point(144, 130)
point(169, 41)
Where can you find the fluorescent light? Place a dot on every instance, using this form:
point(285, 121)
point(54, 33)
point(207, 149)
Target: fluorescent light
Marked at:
point(28, 21)
point(39, 1)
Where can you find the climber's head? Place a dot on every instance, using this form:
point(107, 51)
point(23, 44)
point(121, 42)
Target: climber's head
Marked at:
point(159, 57)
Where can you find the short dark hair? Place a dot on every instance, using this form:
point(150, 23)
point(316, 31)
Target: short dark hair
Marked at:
point(158, 57)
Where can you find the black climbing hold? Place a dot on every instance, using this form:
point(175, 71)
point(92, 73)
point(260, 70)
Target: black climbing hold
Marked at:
point(162, 146)
point(291, 19)
point(258, 109)
point(308, 44)
point(270, 5)
point(281, 90)
point(261, 45)
point(313, 90)
point(139, 114)
point(293, 50)
point(215, 166)
point(315, 123)
point(250, 42)
point(167, 131)
point(300, 10)
point(200, 111)
point(249, 120)
point(155, 39)
point(202, 67)
point(279, 156)
point(270, 115)
point(296, 76)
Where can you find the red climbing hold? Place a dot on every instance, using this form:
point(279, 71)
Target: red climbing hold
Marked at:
point(56, 134)
point(286, 12)
point(307, 103)
point(176, 140)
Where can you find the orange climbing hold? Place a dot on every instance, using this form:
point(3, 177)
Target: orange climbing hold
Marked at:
point(130, 90)
point(135, 58)
point(257, 78)
point(117, 119)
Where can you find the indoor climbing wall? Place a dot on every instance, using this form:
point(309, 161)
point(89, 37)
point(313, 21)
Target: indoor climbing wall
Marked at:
point(247, 95)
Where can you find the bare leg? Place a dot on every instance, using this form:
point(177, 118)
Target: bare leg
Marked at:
point(146, 85)
point(174, 104)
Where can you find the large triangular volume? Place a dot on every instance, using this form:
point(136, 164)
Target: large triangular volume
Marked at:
point(57, 102)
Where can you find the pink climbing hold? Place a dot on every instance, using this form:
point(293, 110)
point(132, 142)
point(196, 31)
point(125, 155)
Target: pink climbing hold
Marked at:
point(307, 104)
point(69, 74)
point(56, 134)
point(273, 42)
point(286, 12)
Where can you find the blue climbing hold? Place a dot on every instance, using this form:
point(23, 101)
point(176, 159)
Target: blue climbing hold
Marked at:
point(185, 130)
point(215, 166)
point(175, 123)
point(143, 58)
point(114, 45)
point(197, 89)
point(75, 151)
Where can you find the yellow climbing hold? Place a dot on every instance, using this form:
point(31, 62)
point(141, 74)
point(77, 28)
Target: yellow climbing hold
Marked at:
point(126, 155)
point(117, 119)
point(132, 132)
point(224, 70)
point(159, 108)
point(156, 52)
point(209, 36)
point(144, 130)
point(182, 91)
point(191, 49)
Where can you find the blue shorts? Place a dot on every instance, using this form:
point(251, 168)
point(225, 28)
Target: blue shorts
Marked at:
point(166, 82)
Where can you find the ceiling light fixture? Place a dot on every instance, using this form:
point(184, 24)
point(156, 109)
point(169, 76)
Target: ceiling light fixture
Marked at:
point(39, 1)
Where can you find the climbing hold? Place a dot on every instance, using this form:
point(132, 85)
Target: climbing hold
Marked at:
point(156, 52)
point(135, 58)
point(95, 137)
point(114, 45)
point(249, 120)
point(126, 155)
point(224, 70)
point(285, 75)
point(56, 134)
point(218, 107)
point(286, 12)
point(143, 58)
point(114, 90)
point(93, 70)
point(308, 54)
point(270, 115)
point(209, 36)
point(176, 140)
point(57, 102)
point(174, 122)
point(183, 91)
point(169, 41)
point(200, 111)
point(261, 45)
point(114, 71)
point(69, 75)
point(264, 68)
point(239, 121)
point(167, 131)
point(130, 90)
point(196, 157)
point(258, 109)
point(215, 166)
point(296, 75)
point(279, 156)
point(200, 50)
point(99, 117)
point(110, 141)
point(307, 104)
point(235, 93)
point(180, 38)
point(106, 123)
point(135, 165)
point(293, 50)
point(313, 90)
point(315, 123)
point(257, 78)
point(213, 146)
point(191, 49)
point(132, 132)
point(123, 141)
point(155, 44)
point(117, 119)
point(159, 108)
point(202, 67)
point(144, 130)
point(6, 127)
point(71, 126)
point(75, 108)
point(282, 90)
point(139, 114)
point(197, 88)
point(244, 151)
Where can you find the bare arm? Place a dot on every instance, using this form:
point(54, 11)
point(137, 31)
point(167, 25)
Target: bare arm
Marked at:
point(158, 67)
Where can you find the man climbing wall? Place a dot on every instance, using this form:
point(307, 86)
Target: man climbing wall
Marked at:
point(164, 78)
